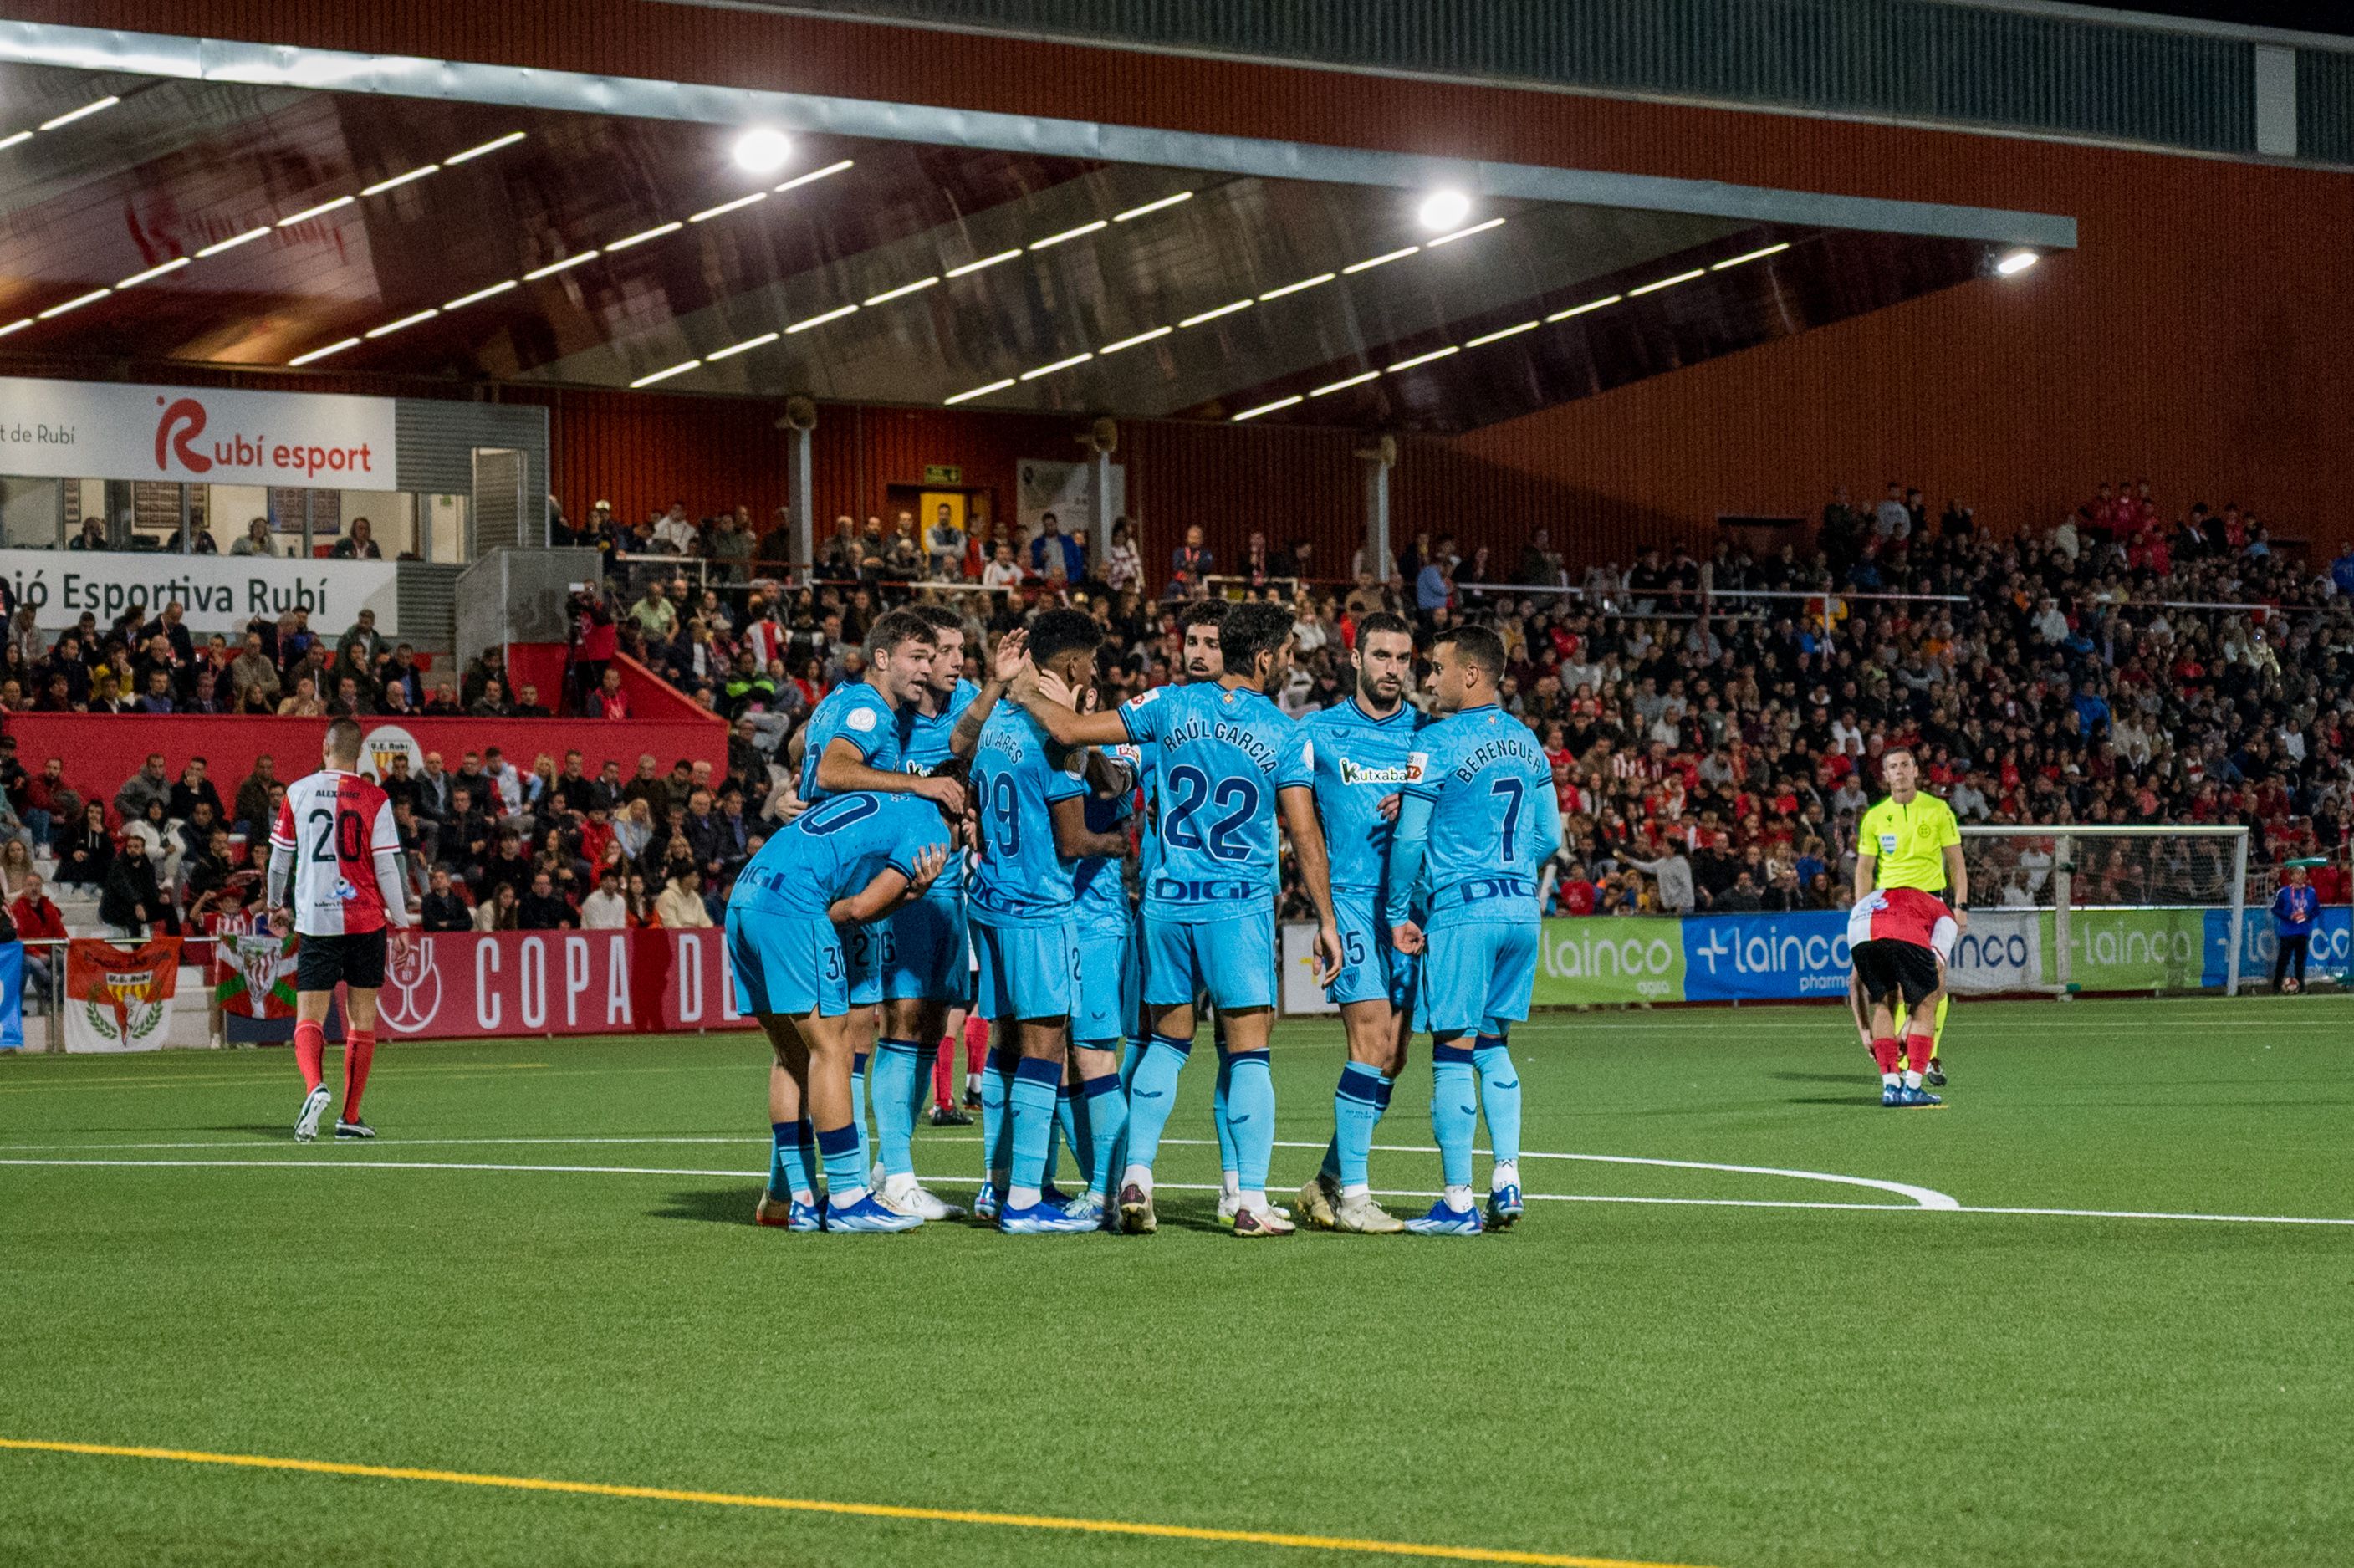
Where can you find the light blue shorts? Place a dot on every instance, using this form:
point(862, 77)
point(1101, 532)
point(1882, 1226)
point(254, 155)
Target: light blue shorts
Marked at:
point(787, 964)
point(1231, 958)
point(1371, 969)
point(1026, 971)
point(867, 950)
point(1477, 975)
point(927, 959)
point(1105, 1007)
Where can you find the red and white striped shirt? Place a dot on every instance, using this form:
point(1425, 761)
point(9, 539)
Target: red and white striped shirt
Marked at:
point(335, 830)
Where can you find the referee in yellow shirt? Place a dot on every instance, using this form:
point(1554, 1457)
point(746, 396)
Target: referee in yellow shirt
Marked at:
point(1910, 840)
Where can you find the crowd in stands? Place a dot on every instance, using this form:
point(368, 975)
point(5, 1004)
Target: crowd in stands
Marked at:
point(1714, 720)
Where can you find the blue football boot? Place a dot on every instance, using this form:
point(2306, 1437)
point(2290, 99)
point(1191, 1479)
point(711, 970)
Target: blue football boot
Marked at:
point(1892, 1095)
point(1443, 1221)
point(1911, 1097)
point(984, 1203)
point(788, 1214)
point(1045, 1219)
point(1504, 1206)
point(869, 1214)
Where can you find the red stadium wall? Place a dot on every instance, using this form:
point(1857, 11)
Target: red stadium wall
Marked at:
point(2191, 339)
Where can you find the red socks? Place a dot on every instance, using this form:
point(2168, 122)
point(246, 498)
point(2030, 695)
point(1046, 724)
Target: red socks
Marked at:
point(311, 1053)
point(944, 1073)
point(359, 1050)
point(975, 1044)
point(1883, 1051)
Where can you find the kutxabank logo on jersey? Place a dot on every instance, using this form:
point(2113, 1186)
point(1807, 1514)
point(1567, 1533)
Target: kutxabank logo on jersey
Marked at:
point(1353, 772)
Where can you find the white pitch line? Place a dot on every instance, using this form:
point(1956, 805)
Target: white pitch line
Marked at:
point(338, 1164)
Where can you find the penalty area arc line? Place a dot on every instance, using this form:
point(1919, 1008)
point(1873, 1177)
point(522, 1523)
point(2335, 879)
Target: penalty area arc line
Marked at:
point(1045, 1522)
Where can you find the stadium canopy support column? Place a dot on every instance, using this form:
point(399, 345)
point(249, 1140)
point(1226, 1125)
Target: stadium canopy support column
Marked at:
point(1099, 497)
point(2239, 912)
point(1378, 559)
point(804, 525)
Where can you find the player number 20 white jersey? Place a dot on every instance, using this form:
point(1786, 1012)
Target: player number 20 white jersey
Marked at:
point(335, 825)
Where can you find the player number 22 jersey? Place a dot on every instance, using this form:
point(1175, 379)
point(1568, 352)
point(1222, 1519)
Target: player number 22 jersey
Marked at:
point(335, 825)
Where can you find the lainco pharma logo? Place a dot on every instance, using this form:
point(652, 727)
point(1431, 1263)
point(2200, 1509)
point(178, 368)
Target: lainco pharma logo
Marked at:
point(175, 434)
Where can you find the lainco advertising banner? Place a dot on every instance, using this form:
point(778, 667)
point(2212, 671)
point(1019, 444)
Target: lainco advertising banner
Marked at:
point(196, 435)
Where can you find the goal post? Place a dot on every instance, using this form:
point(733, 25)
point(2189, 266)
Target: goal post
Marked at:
point(2100, 906)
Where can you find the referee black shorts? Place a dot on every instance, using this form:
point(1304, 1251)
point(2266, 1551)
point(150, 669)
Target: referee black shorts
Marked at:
point(355, 959)
point(1889, 968)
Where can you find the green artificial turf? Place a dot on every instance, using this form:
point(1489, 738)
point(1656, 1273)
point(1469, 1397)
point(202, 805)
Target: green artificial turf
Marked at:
point(1669, 1382)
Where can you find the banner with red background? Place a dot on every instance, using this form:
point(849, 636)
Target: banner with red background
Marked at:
point(466, 985)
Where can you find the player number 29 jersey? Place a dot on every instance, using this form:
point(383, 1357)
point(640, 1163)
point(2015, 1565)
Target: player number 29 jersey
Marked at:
point(333, 825)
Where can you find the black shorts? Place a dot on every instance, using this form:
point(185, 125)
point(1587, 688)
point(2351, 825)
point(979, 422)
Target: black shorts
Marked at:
point(355, 959)
point(1888, 967)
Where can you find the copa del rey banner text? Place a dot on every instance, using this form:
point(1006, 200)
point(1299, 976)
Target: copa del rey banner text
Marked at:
point(196, 435)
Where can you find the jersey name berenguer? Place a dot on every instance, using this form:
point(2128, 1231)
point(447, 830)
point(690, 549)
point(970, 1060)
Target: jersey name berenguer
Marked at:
point(1219, 756)
point(335, 825)
point(1493, 816)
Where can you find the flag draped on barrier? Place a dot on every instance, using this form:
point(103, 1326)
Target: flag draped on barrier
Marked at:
point(252, 976)
point(116, 999)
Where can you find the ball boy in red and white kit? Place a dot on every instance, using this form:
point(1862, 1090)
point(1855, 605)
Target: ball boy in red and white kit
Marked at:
point(335, 877)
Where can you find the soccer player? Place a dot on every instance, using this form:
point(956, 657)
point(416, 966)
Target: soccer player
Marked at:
point(1910, 841)
point(847, 861)
point(926, 978)
point(1031, 806)
point(1891, 938)
point(1480, 818)
point(1105, 1003)
point(855, 740)
point(335, 880)
point(1225, 762)
point(1360, 749)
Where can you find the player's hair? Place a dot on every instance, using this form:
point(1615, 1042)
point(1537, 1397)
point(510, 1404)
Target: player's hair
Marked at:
point(938, 617)
point(344, 740)
point(895, 627)
point(1383, 620)
point(1476, 645)
point(1900, 751)
point(1203, 612)
point(1249, 630)
point(1060, 631)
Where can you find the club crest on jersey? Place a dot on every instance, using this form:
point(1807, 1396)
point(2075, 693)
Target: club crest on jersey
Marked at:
point(1354, 773)
point(859, 719)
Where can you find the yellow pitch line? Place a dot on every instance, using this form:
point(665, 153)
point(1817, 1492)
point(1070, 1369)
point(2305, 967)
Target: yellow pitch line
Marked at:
point(858, 1511)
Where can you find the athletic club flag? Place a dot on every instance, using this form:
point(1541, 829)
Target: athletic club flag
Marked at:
point(118, 999)
point(253, 975)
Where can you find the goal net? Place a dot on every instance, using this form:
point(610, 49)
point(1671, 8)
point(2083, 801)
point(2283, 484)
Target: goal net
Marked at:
point(2103, 908)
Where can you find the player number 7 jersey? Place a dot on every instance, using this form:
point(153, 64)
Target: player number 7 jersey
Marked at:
point(333, 825)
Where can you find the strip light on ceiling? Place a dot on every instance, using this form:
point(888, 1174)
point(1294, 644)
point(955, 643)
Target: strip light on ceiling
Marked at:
point(1136, 212)
point(820, 319)
point(84, 112)
point(834, 169)
point(708, 213)
point(1581, 309)
point(8, 142)
point(642, 235)
point(408, 321)
point(1266, 408)
point(553, 267)
point(323, 353)
point(1132, 341)
point(492, 145)
point(1358, 380)
point(1751, 256)
point(1499, 335)
point(1069, 234)
point(903, 290)
point(249, 235)
point(1058, 365)
point(318, 211)
point(1667, 282)
point(981, 391)
point(73, 305)
point(681, 368)
point(1277, 293)
point(733, 349)
point(971, 267)
point(17, 325)
point(133, 282)
point(463, 301)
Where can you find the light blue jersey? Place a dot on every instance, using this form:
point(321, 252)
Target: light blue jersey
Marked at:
point(1100, 881)
point(837, 847)
point(1482, 784)
point(1021, 879)
point(1359, 760)
point(855, 712)
point(1218, 756)
point(923, 747)
point(785, 955)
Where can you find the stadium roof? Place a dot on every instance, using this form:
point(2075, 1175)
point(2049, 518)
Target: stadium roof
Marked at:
point(171, 201)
